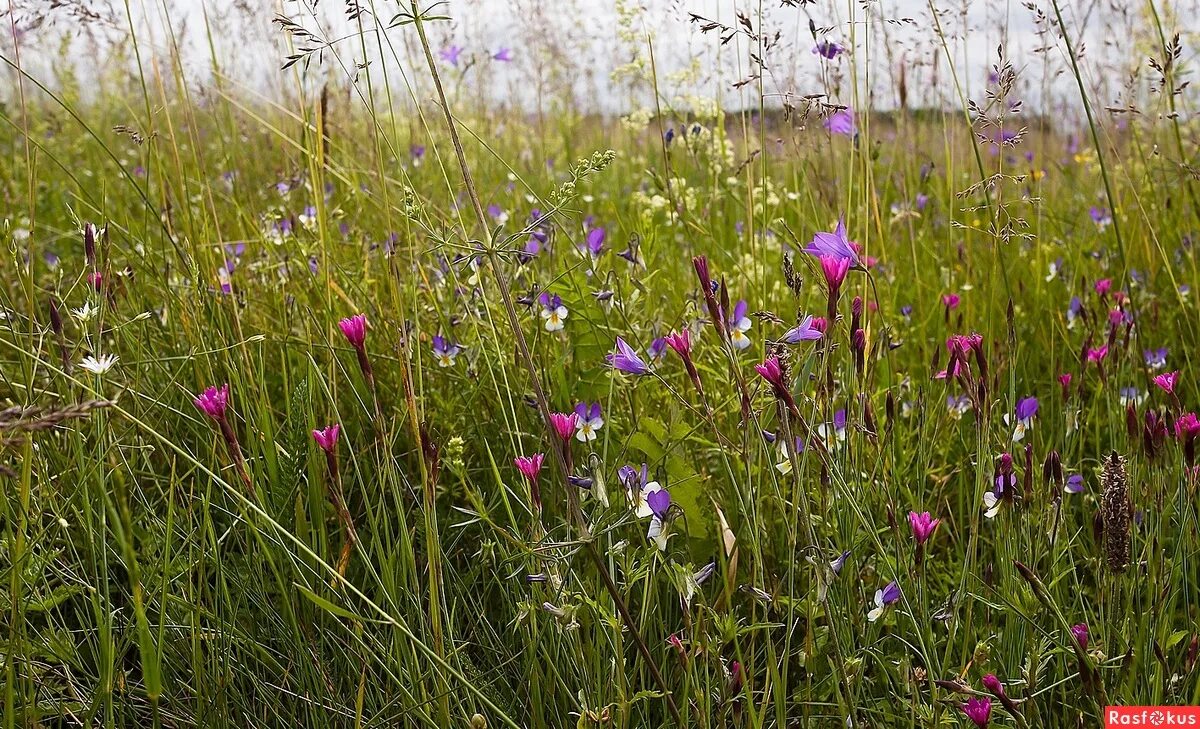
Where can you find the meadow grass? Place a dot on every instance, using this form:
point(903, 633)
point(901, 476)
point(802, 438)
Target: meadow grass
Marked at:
point(175, 558)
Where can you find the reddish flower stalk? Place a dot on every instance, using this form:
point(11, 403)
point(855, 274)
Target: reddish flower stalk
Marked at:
point(213, 402)
point(700, 263)
point(327, 439)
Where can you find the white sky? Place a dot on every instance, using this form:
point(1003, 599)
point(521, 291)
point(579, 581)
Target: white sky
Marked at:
point(571, 46)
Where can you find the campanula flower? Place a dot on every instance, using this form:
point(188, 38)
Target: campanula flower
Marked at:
point(553, 311)
point(841, 122)
point(594, 242)
point(805, 332)
point(504, 55)
point(626, 360)
point(835, 244)
point(587, 421)
point(450, 54)
point(884, 598)
point(738, 325)
point(444, 352)
point(657, 348)
point(828, 50)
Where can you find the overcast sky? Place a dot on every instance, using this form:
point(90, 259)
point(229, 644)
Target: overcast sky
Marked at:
point(572, 47)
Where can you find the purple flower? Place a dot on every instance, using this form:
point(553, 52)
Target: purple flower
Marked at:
point(327, 437)
point(504, 55)
point(417, 152)
point(1155, 358)
point(738, 324)
point(833, 245)
point(805, 332)
point(626, 360)
point(450, 54)
point(587, 421)
point(595, 241)
point(553, 311)
point(213, 401)
point(657, 348)
point(355, 330)
point(1026, 409)
point(1080, 633)
point(837, 564)
point(563, 424)
point(841, 122)
point(922, 201)
point(828, 50)
point(1074, 484)
point(1101, 217)
point(444, 352)
point(883, 598)
point(922, 525)
point(659, 502)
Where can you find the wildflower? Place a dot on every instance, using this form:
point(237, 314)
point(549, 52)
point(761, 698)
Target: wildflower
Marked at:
point(738, 325)
point(681, 342)
point(803, 333)
point(1074, 311)
point(563, 424)
point(444, 352)
point(417, 153)
point(841, 122)
point(958, 405)
point(1079, 631)
point(1131, 396)
point(771, 370)
point(587, 421)
point(657, 348)
point(504, 55)
point(450, 54)
point(991, 683)
point(1074, 484)
point(708, 290)
point(530, 467)
point(837, 564)
point(327, 437)
point(951, 301)
point(1064, 381)
point(626, 360)
point(1097, 354)
point(1155, 359)
point(835, 244)
point(978, 710)
point(659, 502)
point(1101, 217)
point(883, 598)
point(1026, 409)
point(1166, 382)
point(836, 429)
point(1103, 286)
point(553, 311)
point(922, 525)
point(594, 241)
point(828, 50)
point(354, 328)
point(835, 270)
point(212, 402)
point(99, 365)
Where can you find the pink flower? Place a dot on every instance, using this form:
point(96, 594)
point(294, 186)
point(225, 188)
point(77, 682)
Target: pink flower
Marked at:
point(1167, 381)
point(327, 437)
point(1098, 354)
point(820, 323)
point(835, 269)
point(1103, 286)
point(978, 710)
point(1065, 380)
point(96, 279)
point(355, 330)
point(564, 425)
point(991, 683)
point(213, 401)
point(681, 342)
point(1187, 427)
point(922, 525)
point(951, 301)
point(530, 466)
point(1080, 632)
point(772, 372)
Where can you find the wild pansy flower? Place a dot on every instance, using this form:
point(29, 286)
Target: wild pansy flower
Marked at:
point(659, 503)
point(308, 217)
point(835, 430)
point(785, 459)
point(553, 311)
point(1079, 631)
point(841, 122)
point(563, 425)
point(922, 526)
point(805, 332)
point(884, 598)
point(1167, 381)
point(416, 152)
point(958, 405)
point(979, 710)
point(626, 360)
point(327, 437)
point(1025, 410)
point(1131, 396)
point(738, 325)
point(587, 421)
point(1074, 311)
point(444, 352)
point(1101, 217)
point(1156, 359)
point(657, 349)
point(1074, 484)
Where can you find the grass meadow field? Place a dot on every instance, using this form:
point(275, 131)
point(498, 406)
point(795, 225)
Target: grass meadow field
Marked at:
point(378, 403)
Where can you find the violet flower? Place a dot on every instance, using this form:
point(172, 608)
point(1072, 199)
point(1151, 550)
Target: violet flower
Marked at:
point(553, 311)
point(841, 122)
point(738, 325)
point(587, 421)
point(444, 352)
point(835, 244)
point(805, 332)
point(626, 360)
point(883, 599)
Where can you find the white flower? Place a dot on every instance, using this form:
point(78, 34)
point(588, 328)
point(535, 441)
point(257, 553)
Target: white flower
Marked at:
point(992, 504)
point(657, 533)
point(98, 366)
point(877, 611)
point(585, 429)
point(737, 333)
point(554, 318)
point(641, 504)
point(84, 313)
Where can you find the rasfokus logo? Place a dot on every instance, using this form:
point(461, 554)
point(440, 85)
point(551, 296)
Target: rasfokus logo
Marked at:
point(1151, 716)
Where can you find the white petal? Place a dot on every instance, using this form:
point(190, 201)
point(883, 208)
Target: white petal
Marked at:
point(875, 614)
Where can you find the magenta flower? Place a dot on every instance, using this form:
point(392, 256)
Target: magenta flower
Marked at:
point(1080, 633)
point(835, 270)
point(922, 525)
point(951, 301)
point(978, 710)
point(1097, 354)
point(213, 400)
point(327, 437)
point(626, 359)
point(772, 372)
point(1065, 381)
point(530, 466)
point(1166, 382)
point(563, 424)
point(805, 332)
point(1187, 426)
point(1103, 286)
point(835, 244)
point(681, 342)
point(991, 683)
point(354, 328)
